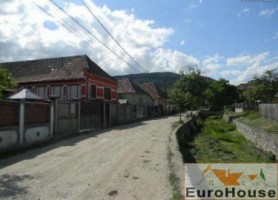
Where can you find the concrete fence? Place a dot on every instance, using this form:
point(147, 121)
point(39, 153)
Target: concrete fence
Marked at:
point(24, 123)
point(269, 111)
point(263, 140)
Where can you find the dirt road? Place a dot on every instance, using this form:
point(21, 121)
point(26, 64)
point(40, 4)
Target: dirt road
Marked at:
point(125, 162)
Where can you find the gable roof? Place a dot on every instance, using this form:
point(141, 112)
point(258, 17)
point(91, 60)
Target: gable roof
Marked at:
point(153, 90)
point(51, 69)
point(125, 85)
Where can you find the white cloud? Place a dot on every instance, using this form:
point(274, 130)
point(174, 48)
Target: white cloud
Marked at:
point(268, 12)
point(243, 11)
point(250, 65)
point(228, 73)
point(25, 35)
point(182, 42)
point(195, 3)
point(246, 60)
point(211, 64)
point(170, 60)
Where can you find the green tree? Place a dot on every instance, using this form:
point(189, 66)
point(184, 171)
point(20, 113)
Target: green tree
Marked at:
point(263, 87)
point(220, 93)
point(188, 91)
point(5, 80)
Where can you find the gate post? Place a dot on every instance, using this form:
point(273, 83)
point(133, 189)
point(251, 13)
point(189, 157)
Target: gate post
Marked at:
point(21, 121)
point(78, 115)
point(52, 119)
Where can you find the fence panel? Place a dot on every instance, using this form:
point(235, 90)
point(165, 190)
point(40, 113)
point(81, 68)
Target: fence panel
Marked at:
point(37, 113)
point(114, 114)
point(269, 111)
point(91, 115)
point(121, 113)
point(67, 120)
point(9, 113)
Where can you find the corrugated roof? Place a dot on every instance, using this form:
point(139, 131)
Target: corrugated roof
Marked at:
point(51, 69)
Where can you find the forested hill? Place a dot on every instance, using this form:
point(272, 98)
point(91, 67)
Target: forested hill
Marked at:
point(155, 77)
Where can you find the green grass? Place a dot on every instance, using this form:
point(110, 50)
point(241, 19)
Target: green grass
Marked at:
point(219, 141)
point(254, 119)
point(172, 177)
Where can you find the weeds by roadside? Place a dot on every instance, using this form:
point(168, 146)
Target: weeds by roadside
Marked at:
point(219, 141)
point(253, 118)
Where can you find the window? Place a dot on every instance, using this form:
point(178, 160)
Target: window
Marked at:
point(107, 93)
point(93, 91)
point(57, 91)
point(42, 92)
point(74, 91)
point(211, 182)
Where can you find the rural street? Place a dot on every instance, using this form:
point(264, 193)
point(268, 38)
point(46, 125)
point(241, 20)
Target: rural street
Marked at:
point(124, 162)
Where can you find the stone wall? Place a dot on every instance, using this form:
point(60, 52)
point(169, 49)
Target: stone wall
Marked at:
point(268, 142)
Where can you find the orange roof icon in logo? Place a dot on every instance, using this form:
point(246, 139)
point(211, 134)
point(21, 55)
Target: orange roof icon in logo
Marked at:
point(226, 177)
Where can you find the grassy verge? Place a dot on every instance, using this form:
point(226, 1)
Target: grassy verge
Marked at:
point(219, 141)
point(172, 177)
point(254, 119)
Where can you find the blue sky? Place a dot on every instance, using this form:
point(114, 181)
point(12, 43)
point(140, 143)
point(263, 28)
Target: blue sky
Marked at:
point(231, 39)
point(210, 27)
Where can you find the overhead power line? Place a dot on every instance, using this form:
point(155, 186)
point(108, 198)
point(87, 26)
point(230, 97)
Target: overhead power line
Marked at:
point(89, 32)
point(70, 29)
point(107, 31)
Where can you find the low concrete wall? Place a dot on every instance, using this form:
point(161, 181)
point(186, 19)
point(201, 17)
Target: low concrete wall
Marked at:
point(268, 142)
point(178, 136)
point(8, 137)
point(36, 134)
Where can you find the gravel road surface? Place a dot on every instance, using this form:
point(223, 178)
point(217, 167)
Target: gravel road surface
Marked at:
point(124, 162)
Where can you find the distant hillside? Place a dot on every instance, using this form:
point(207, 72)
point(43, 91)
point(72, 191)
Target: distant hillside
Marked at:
point(156, 77)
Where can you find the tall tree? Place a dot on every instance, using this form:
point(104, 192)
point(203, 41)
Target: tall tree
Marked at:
point(188, 92)
point(263, 87)
point(220, 93)
point(5, 81)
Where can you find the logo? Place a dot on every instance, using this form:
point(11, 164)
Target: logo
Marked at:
point(231, 181)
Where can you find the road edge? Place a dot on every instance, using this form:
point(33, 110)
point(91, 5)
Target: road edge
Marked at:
point(176, 165)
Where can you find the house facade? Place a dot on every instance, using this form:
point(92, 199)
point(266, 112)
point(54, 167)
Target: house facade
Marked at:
point(73, 77)
point(159, 97)
point(131, 93)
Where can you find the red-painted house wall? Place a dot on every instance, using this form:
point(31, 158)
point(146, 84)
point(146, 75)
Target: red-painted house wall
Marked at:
point(100, 83)
point(85, 84)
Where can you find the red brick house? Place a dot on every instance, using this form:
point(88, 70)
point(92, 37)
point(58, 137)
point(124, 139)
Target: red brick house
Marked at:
point(65, 77)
